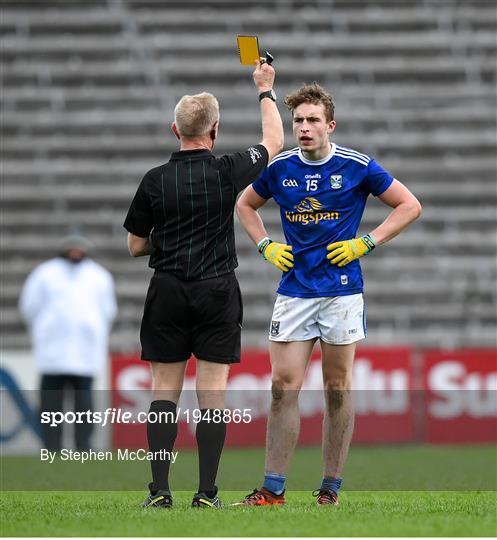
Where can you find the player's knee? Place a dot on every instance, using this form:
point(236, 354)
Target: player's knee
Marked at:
point(334, 399)
point(338, 379)
point(340, 382)
point(276, 391)
point(283, 389)
point(337, 390)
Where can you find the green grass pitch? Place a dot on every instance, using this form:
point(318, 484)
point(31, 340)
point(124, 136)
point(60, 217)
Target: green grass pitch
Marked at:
point(432, 500)
point(361, 514)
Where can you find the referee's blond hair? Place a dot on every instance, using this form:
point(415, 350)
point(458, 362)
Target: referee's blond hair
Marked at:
point(196, 115)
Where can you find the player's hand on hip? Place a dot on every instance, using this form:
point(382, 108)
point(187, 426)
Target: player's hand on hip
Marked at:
point(278, 254)
point(263, 76)
point(346, 251)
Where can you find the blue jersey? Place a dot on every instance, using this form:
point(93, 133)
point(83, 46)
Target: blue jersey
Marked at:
point(321, 202)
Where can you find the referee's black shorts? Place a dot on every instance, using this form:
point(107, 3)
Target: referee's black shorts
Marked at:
point(183, 317)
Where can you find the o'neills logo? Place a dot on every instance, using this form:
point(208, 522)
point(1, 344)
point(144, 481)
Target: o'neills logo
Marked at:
point(309, 210)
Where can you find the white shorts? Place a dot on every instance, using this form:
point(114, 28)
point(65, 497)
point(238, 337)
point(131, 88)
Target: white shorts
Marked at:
point(337, 320)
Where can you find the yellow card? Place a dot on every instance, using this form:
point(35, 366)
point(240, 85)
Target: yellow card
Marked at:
point(248, 48)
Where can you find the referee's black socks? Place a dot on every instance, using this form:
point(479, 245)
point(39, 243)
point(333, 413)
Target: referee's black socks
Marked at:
point(161, 435)
point(210, 434)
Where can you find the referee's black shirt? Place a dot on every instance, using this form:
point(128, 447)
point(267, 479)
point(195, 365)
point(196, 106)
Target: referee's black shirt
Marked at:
point(187, 204)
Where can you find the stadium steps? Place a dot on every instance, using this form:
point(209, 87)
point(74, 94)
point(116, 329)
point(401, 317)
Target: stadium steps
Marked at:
point(84, 118)
point(121, 122)
point(151, 144)
point(73, 71)
point(438, 217)
point(318, 45)
point(119, 196)
point(397, 19)
point(405, 98)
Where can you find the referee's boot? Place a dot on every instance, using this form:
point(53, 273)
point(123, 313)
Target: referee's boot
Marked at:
point(202, 500)
point(157, 499)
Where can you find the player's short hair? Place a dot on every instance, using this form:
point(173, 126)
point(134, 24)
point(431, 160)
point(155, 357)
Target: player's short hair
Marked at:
point(195, 115)
point(315, 94)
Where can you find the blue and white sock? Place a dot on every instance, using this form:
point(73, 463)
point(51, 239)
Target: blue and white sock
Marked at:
point(274, 482)
point(331, 484)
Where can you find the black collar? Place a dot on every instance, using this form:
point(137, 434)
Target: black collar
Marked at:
point(190, 154)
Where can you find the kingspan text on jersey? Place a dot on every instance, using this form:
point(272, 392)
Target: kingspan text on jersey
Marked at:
point(311, 217)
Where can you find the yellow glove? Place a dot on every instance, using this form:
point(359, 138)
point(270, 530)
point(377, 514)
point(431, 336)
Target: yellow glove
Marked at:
point(344, 252)
point(278, 254)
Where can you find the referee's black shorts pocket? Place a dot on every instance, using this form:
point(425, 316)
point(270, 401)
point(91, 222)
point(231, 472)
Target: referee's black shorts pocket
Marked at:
point(165, 330)
point(218, 315)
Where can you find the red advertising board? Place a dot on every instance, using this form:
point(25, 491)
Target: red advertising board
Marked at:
point(461, 396)
point(382, 397)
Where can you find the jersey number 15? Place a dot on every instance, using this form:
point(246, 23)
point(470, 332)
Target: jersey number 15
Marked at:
point(312, 185)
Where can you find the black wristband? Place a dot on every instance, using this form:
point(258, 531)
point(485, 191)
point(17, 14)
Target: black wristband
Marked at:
point(267, 94)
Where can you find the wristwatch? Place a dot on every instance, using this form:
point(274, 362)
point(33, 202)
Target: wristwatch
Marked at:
point(267, 94)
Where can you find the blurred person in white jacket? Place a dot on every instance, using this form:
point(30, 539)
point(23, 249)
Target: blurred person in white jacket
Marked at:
point(69, 304)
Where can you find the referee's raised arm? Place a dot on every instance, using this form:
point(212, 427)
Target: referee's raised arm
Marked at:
point(272, 126)
point(182, 216)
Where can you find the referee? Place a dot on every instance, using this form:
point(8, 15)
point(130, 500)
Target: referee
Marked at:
point(182, 216)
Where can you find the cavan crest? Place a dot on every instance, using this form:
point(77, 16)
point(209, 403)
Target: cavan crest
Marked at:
point(335, 181)
point(275, 328)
